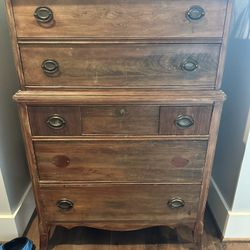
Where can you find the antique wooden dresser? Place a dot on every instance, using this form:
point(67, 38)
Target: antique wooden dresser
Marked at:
point(119, 108)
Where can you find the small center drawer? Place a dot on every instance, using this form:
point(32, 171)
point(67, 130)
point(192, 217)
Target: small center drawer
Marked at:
point(119, 120)
point(155, 203)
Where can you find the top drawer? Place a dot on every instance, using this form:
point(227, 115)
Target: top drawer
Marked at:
point(119, 18)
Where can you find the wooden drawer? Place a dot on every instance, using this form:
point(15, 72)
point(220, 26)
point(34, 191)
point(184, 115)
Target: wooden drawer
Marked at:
point(128, 19)
point(116, 119)
point(55, 121)
point(121, 160)
point(120, 203)
point(185, 120)
point(121, 65)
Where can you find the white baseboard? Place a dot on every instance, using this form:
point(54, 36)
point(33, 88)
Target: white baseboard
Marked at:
point(233, 225)
point(15, 224)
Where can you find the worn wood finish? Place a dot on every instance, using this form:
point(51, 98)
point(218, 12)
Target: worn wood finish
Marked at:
point(200, 115)
point(214, 128)
point(109, 18)
point(113, 96)
point(157, 161)
point(122, 65)
point(30, 154)
point(39, 117)
point(120, 90)
point(133, 120)
point(135, 203)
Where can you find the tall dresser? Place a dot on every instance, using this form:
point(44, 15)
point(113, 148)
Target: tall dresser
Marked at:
point(119, 108)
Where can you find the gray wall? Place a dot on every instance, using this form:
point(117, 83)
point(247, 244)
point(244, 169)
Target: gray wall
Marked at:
point(236, 84)
point(12, 156)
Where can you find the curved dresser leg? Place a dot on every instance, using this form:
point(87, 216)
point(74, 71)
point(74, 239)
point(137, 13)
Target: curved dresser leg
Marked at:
point(198, 233)
point(44, 240)
point(44, 236)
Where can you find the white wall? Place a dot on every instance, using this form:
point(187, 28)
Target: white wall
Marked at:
point(229, 197)
point(14, 176)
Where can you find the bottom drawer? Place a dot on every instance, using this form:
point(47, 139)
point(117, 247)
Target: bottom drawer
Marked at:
point(121, 202)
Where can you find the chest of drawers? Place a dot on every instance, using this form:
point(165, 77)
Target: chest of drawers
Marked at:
point(119, 108)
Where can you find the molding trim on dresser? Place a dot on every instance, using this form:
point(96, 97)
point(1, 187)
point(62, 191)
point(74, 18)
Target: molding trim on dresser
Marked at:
point(101, 105)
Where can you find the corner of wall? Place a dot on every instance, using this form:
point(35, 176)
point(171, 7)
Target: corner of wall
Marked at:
point(15, 223)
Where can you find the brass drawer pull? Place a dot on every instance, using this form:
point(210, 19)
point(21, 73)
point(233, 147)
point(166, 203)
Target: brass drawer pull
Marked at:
point(56, 122)
point(189, 65)
point(195, 13)
point(65, 204)
point(43, 15)
point(184, 121)
point(176, 202)
point(50, 67)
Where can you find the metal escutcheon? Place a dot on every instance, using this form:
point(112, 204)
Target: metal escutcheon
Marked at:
point(184, 121)
point(176, 203)
point(43, 15)
point(189, 65)
point(65, 204)
point(195, 13)
point(50, 66)
point(56, 122)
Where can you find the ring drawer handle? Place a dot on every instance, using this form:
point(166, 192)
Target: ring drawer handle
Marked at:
point(43, 15)
point(56, 122)
point(65, 204)
point(176, 202)
point(189, 65)
point(184, 121)
point(50, 66)
point(195, 13)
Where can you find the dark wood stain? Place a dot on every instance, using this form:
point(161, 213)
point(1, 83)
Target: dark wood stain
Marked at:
point(201, 117)
point(39, 116)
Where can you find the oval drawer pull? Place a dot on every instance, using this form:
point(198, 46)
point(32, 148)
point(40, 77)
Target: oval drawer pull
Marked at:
point(56, 122)
point(43, 15)
point(176, 202)
point(195, 13)
point(184, 121)
point(65, 204)
point(50, 67)
point(189, 65)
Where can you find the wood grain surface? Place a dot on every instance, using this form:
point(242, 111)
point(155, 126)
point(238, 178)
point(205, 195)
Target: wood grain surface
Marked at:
point(136, 203)
point(153, 161)
point(116, 119)
point(122, 65)
point(200, 115)
point(40, 115)
point(128, 18)
point(113, 96)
